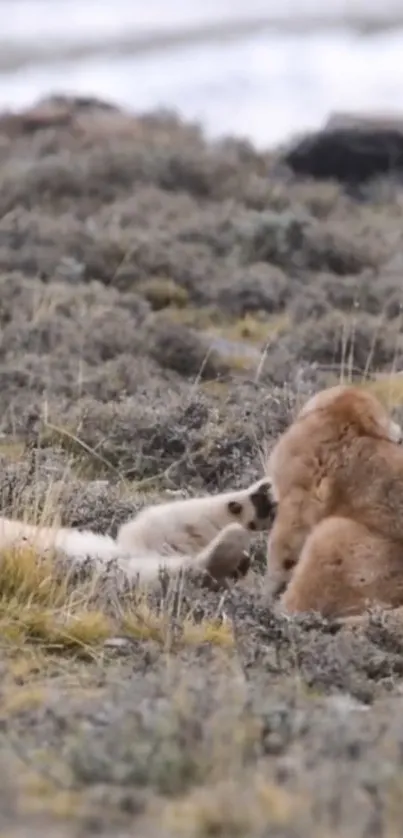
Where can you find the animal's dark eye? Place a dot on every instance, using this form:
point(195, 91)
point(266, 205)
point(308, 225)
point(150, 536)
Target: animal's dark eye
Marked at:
point(234, 507)
point(288, 564)
point(252, 525)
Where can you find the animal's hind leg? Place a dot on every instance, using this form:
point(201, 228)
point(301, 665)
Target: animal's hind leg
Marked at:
point(343, 569)
point(226, 556)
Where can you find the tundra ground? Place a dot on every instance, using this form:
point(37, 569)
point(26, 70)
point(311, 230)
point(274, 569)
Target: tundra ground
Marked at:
point(164, 305)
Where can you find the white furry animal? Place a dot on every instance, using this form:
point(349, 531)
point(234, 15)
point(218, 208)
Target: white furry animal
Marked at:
point(209, 534)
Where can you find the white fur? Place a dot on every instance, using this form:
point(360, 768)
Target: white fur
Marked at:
point(395, 432)
point(172, 535)
point(182, 525)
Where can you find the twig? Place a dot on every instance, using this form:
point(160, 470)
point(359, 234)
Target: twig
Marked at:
point(237, 641)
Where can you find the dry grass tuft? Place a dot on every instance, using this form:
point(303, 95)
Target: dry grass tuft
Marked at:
point(200, 317)
point(18, 700)
point(256, 330)
point(28, 578)
point(388, 388)
point(37, 605)
point(208, 631)
point(174, 632)
point(239, 362)
point(233, 808)
point(250, 328)
point(12, 449)
point(41, 796)
point(163, 292)
point(217, 389)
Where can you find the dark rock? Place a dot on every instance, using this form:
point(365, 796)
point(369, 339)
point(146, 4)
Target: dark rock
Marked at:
point(349, 155)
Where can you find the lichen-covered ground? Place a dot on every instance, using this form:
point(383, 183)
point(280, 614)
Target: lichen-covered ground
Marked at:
point(164, 305)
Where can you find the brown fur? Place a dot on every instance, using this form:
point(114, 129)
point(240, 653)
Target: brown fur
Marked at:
point(337, 475)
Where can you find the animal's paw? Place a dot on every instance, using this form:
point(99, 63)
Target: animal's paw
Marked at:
point(229, 557)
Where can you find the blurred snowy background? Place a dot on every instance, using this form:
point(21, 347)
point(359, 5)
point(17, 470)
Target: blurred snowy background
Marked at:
point(264, 69)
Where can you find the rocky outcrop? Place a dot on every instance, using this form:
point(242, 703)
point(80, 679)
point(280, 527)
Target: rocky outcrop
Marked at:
point(349, 149)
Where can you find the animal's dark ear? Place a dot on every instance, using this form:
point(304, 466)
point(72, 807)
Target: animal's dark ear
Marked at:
point(234, 507)
point(289, 564)
point(263, 502)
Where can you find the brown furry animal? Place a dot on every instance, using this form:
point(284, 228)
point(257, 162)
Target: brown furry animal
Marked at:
point(337, 476)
